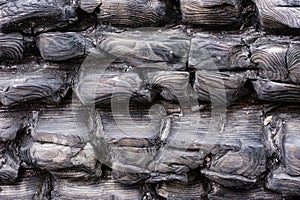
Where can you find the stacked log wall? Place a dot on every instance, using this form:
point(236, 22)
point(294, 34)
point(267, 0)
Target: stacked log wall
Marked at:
point(149, 99)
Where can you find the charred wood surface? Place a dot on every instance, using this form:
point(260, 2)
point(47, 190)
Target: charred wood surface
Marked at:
point(149, 99)
point(34, 80)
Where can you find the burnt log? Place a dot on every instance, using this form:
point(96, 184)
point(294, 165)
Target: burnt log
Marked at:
point(159, 152)
point(221, 87)
point(219, 52)
point(9, 164)
point(61, 46)
point(31, 184)
point(105, 189)
point(278, 16)
point(226, 146)
point(11, 46)
point(281, 182)
point(31, 80)
point(293, 60)
point(33, 16)
point(91, 111)
point(167, 50)
point(220, 192)
point(12, 120)
point(271, 91)
point(270, 57)
point(281, 138)
point(62, 152)
point(131, 13)
point(180, 190)
point(211, 13)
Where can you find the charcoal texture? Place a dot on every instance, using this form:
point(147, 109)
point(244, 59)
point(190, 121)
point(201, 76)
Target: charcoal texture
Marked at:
point(149, 99)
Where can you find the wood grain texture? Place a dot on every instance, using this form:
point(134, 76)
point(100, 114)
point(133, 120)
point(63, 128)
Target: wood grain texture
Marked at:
point(12, 120)
point(282, 143)
point(99, 86)
point(89, 6)
point(31, 80)
point(31, 184)
point(220, 87)
point(213, 12)
point(283, 127)
point(187, 110)
point(126, 149)
point(162, 49)
point(283, 183)
point(229, 147)
point(34, 15)
point(132, 12)
point(9, 163)
point(293, 61)
point(236, 157)
point(52, 147)
point(180, 190)
point(94, 85)
point(138, 153)
point(276, 92)
point(11, 46)
point(270, 57)
point(106, 189)
point(220, 192)
point(278, 15)
point(232, 161)
point(57, 46)
point(218, 52)
point(173, 86)
point(167, 49)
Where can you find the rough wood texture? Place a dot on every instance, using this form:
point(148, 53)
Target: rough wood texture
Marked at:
point(12, 120)
point(278, 15)
point(11, 46)
point(293, 62)
point(35, 15)
point(281, 182)
point(61, 46)
point(228, 147)
point(211, 13)
point(95, 85)
point(31, 80)
point(276, 92)
point(131, 12)
point(124, 149)
point(270, 58)
point(98, 86)
point(166, 49)
point(172, 86)
point(219, 192)
point(187, 110)
point(144, 153)
point(52, 147)
point(218, 52)
point(9, 163)
point(220, 87)
point(180, 190)
point(106, 189)
point(282, 139)
point(162, 49)
point(31, 184)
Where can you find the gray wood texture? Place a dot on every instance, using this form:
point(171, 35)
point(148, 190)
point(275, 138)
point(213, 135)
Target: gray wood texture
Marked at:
point(278, 15)
point(34, 80)
point(35, 15)
point(212, 12)
point(149, 99)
